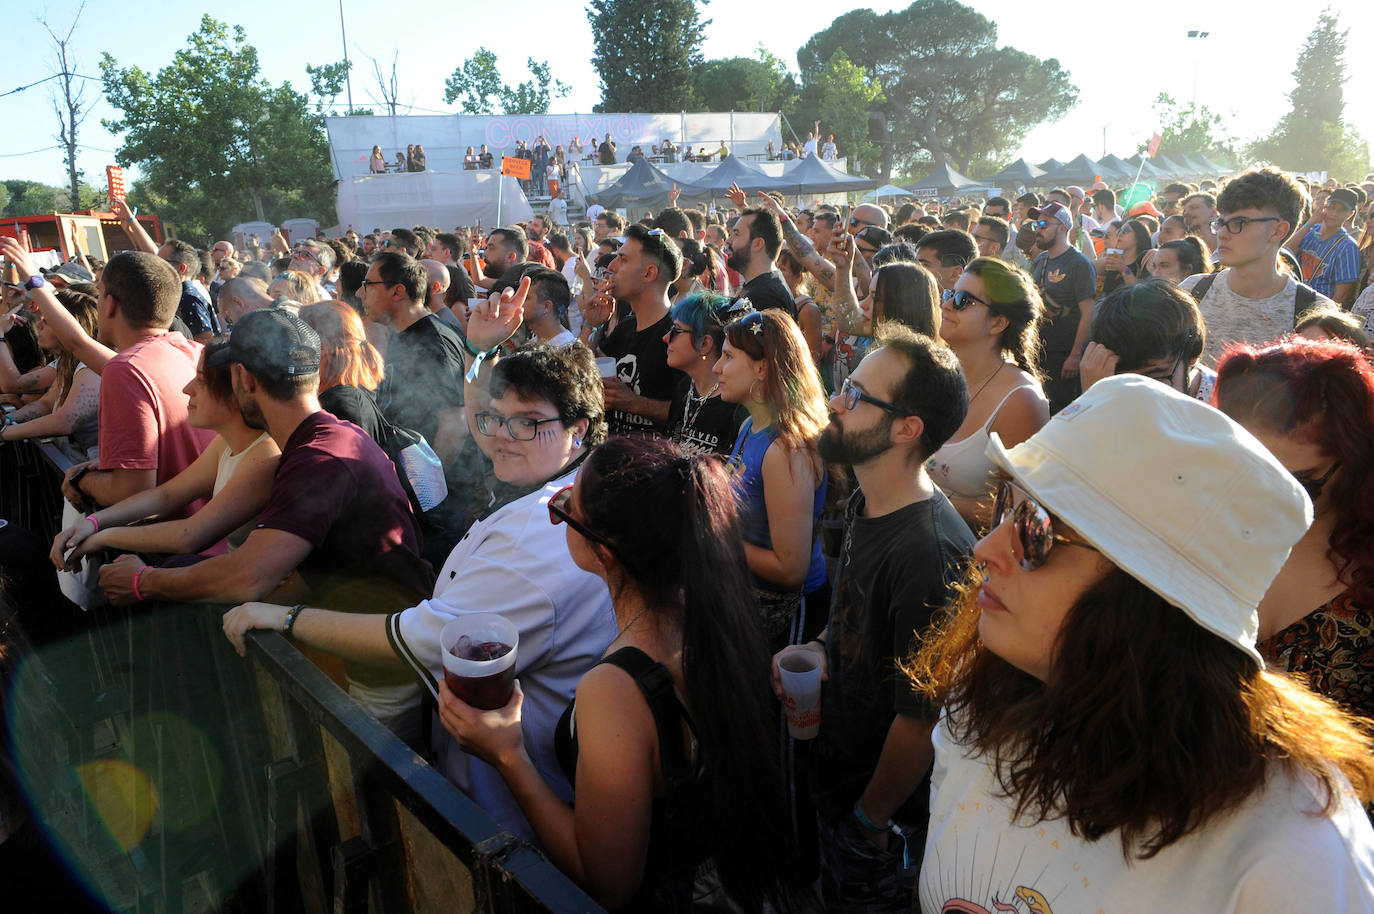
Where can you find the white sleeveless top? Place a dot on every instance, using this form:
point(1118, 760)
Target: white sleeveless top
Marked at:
point(962, 468)
point(228, 463)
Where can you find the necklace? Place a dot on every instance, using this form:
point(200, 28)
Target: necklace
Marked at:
point(981, 387)
point(629, 625)
point(691, 408)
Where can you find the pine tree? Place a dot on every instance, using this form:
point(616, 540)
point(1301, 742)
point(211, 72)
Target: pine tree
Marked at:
point(647, 53)
point(1314, 135)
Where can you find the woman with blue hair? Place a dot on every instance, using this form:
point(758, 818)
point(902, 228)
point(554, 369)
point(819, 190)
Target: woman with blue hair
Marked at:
point(697, 417)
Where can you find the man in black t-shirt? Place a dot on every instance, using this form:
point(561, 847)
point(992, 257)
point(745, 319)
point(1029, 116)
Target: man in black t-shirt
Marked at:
point(904, 548)
point(423, 387)
point(606, 151)
point(644, 268)
point(752, 251)
point(1068, 284)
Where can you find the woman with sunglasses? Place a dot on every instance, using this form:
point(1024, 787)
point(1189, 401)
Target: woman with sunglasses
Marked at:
point(1312, 404)
point(991, 320)
point(766, 367)
point(535, 414)
point(1111, 739)
point(667, 747)
point(698, 418)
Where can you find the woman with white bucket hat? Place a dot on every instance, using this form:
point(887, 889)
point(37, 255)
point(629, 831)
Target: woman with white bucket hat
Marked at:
point(1111, 740)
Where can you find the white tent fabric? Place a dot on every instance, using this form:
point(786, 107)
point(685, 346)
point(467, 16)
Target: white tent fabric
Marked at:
point(446, 137)
point(439, 198)
point(299, 229)
point(264, 231)
point(887, 190)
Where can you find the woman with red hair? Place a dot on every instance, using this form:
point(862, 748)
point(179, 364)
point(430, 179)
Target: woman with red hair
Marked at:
point(1312, 404)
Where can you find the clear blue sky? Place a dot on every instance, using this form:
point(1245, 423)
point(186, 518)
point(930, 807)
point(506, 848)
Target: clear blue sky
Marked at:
point(1121, 57)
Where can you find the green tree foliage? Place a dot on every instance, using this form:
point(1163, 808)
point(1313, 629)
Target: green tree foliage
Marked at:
point(1314, 135)
point(647, 53)
point(948, 91)
point(840, 97)
point(216, 142)
point(31, 198)
point(1190, 129)
point(761, 83)
point(478, 84)
point(327, 82)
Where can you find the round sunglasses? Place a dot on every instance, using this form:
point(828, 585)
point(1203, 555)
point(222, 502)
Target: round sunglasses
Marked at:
point(1032, 526)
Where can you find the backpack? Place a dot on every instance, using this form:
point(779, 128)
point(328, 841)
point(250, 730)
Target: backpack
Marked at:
point(1305, 297)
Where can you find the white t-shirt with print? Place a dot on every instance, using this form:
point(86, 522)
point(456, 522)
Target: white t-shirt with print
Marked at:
point(1271, 854)
point(1229, 318)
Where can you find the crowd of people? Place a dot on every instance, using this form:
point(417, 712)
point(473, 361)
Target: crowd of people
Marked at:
point(1068, 502)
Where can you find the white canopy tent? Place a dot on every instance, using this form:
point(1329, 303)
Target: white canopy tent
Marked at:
point(439, 198)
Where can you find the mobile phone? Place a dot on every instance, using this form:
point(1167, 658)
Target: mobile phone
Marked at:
point(844, 217)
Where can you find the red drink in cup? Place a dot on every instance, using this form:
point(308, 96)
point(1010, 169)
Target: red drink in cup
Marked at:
point(479, 652)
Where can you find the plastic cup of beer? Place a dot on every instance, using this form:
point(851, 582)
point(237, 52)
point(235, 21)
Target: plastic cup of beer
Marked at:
point(605, 366)
point(800, 672)
point(479, 658)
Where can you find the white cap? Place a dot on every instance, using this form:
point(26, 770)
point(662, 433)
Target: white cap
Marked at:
point(1173, 492)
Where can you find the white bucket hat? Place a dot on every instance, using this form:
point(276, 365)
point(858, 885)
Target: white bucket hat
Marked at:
point(1173, 492)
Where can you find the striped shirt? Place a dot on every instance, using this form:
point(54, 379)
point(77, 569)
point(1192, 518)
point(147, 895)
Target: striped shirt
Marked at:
point(1330, 262)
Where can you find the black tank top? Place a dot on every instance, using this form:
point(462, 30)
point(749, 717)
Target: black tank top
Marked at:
point(679, 832)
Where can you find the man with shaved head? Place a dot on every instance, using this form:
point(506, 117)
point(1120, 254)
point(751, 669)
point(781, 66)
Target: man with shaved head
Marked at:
point(240, 295)
point(436, 285)
point(866, 214)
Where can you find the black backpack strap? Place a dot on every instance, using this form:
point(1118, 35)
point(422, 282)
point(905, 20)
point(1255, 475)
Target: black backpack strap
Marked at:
point(656, 683)
point(1199, 291)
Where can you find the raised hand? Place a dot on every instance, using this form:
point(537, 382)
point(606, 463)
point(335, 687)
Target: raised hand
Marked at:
point(495, 320)
point(673, 195)
point(737, 197)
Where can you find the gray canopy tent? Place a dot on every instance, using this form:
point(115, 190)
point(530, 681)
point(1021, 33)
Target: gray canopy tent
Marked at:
point(734, 171)
point(813, 176)
point(1018, 172)
point(647, 186)
point(943, 181)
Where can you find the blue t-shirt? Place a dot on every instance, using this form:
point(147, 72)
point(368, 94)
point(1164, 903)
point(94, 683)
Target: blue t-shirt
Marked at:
point(1327, 264)
point(747, 455)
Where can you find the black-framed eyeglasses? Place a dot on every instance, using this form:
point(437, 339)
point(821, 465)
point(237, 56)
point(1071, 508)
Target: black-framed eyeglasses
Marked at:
point(1313, 486)
point(560, 513)
point(374, 282)
point(304, 254)
point(1032, 526)
point(851, 395)
point(856, 221)
point(674, 330)
point(962, 299)
point(521, 428)
point(1236, 224)
point(1170, 378)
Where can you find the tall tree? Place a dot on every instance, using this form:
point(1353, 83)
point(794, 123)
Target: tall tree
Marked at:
point(216, 142)
point(478, 83)
point(646, 53)
point(69, 102)
point(1314, 135)
point(1190, 129)
point(327, 83)
point(949, 92)
point(760, 83)
point(841, 97)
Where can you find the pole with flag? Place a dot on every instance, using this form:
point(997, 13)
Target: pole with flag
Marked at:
point(1150, 152)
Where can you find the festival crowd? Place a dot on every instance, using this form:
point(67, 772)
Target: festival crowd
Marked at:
point(1069, 504)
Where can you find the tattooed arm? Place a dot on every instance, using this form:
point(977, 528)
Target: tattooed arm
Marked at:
point(801, 246)
point(36, 421)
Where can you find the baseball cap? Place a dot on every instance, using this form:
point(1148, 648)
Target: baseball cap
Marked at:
point(1173, 492)
point(273, 344)
point(1145, 209)
point(1344, 196)
point(71, 272)
point(1052, 210)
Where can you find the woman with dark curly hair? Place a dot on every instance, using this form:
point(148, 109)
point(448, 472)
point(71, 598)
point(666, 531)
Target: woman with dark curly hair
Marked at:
point(1312, 405)
point(1111, 739)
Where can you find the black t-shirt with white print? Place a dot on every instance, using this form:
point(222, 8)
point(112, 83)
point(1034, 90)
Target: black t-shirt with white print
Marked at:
point(642, 363)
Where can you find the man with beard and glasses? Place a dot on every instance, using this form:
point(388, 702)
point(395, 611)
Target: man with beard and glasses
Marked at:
point(337, 526)
point(904, 548)
point(752, 251)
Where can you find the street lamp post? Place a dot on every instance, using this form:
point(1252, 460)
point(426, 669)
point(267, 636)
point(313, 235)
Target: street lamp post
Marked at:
point(1198, 35)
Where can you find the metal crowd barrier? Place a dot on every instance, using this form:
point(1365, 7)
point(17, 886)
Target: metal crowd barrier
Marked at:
point(173, 775)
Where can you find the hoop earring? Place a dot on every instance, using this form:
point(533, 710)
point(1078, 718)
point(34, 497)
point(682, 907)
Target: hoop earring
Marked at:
point(752, 396)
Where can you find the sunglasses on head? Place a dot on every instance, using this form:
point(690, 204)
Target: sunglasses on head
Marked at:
point(1032, 526)
point(560, 512)
point(962, 299)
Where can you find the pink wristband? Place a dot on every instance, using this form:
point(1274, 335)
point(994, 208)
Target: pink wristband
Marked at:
point(94, 523)
point(138, 596)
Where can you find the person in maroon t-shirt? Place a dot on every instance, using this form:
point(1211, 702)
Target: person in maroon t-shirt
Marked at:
point(338, 523)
